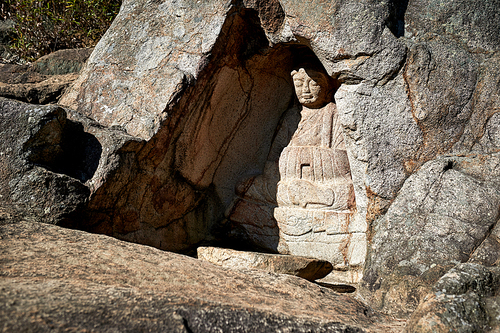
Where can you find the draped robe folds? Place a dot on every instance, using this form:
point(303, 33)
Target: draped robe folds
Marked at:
point(314, 168)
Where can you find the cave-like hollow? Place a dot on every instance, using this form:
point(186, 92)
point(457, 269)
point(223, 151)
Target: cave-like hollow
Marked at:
point(181, 187)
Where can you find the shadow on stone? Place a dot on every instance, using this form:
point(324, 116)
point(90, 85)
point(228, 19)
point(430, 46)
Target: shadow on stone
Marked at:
point(61, 146)
point(340, 288)
point(397, 18)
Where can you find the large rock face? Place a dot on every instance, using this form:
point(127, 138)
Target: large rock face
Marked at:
point(444, 211)
point(442, 215)
point(210, 153)
point(211, 117)
point(150, 53)
point(208, 111)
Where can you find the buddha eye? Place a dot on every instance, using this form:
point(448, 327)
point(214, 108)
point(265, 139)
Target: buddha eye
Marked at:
point(314, 83)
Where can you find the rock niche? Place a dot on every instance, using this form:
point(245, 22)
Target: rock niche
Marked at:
point(364, 133)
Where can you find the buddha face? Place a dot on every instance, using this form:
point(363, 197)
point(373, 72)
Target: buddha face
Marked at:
point(311, 88)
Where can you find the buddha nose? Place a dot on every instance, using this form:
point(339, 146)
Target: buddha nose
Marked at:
point(306, 87)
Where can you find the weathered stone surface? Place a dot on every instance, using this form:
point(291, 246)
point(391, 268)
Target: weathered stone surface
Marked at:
point(111, 149)
point(46, 91)
point(6, 33)
point(465, 299)
point(45, 80)
point(444, 212)
point(381, 135)
point(207, 87)
point(441, 78)
point(480, 133)
point(351, 38)
point(441, 216)
point(150, 52)
point(62, 61)
point(315, 193)
point(307, 268)
point(55, 279)
point(14, 74)
point(473, 23)
point(43, 163)
point(488, 253)
point(53, 160)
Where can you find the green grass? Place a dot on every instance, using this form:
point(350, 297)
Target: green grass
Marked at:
point(44, 26)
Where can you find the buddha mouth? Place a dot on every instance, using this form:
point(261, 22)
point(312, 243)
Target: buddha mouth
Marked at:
point(308, 98)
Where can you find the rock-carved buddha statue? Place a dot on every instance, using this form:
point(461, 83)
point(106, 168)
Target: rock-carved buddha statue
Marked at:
point(315, 194)
point(306, 188)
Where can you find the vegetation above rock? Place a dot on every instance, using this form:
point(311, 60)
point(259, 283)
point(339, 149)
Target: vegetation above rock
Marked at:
point(44, 26)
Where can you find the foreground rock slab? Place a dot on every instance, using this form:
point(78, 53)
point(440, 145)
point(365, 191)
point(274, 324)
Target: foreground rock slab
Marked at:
point(308, 268)
point(56, 279)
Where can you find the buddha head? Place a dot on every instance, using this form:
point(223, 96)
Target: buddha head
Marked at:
point(312, 88)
